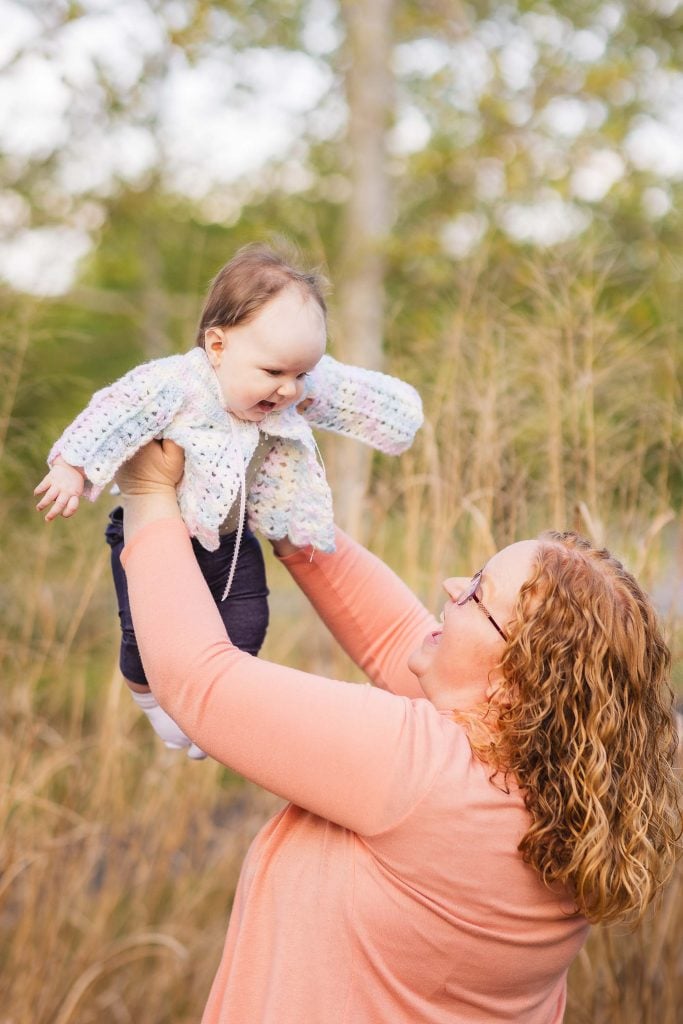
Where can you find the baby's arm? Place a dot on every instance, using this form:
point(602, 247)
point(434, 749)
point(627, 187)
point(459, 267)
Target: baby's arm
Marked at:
point(365, 405)
point(62, 488)
point(117, 421)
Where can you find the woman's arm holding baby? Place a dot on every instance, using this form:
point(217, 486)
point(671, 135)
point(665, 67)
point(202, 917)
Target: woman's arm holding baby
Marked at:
point(266, 721)
point(369, 610)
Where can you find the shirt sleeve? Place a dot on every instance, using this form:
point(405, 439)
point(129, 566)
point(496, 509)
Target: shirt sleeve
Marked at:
point(368, 609)
point(366, 405)
point(354, 754)
point(118, 420)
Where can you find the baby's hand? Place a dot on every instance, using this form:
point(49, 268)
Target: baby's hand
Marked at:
point(63, 487)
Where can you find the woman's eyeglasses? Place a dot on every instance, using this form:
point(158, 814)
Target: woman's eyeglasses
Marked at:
point(472, 595)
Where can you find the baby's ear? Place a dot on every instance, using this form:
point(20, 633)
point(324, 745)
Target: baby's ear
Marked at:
point(214, 345)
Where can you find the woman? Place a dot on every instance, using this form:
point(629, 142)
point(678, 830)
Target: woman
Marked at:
point(452, 830)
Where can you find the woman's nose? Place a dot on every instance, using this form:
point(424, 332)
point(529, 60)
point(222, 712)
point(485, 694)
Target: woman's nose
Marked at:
point(455, 586)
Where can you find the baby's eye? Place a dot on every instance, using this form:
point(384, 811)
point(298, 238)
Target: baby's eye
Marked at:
point(300, 376)
point(274, 373)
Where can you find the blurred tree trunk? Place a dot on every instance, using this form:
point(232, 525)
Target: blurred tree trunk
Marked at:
point(154, 313)
point(368, 216)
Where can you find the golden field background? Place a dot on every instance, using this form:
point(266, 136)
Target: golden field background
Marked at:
point(119, 858)
point(495, 191)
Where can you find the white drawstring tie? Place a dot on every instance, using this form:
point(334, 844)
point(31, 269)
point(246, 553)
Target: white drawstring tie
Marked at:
point(243, 507)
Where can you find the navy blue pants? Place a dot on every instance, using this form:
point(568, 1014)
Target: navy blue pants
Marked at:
point(244, 611)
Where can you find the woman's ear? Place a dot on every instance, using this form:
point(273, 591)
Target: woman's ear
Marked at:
point(214, 345)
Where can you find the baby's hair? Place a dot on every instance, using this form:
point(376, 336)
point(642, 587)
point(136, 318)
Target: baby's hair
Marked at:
point(247, 282)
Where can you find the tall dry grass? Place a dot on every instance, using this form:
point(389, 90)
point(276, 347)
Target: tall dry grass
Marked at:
point(118, 858)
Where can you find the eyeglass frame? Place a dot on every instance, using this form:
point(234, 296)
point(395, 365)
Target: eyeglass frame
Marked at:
point(471, 595)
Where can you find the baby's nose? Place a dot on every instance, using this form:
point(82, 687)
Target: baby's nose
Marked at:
point(287, 389)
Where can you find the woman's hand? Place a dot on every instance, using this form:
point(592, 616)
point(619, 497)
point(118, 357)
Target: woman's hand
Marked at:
point(156, 468)
point(148, 484)
point(283, 547)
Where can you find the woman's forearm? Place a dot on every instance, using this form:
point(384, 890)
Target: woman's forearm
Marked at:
point(312, 740)
point(368, 609)
point(142, 509)
point(148, 484)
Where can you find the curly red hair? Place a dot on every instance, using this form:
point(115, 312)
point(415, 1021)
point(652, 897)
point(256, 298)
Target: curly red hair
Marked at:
point(584, 721)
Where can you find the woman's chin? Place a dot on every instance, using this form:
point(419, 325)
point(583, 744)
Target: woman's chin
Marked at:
point(418, 663)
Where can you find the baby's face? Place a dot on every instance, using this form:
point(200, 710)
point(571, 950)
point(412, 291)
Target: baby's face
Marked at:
point(261, 365)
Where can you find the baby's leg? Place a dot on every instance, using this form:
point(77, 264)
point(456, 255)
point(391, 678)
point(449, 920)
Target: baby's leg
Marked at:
point(130, 662)
point(245, 609)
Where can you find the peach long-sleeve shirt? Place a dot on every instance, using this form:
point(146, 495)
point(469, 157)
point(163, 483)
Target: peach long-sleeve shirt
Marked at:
point(390, 889)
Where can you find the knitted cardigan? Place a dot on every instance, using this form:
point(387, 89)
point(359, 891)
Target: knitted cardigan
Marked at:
point(179, 397)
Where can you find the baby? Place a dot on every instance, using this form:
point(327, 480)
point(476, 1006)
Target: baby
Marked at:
point(241, 404)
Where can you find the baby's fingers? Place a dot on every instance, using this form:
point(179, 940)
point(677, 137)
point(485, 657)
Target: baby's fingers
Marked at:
point(51, 493)
point(71, 506)
point(64, 504)
point(43, 485)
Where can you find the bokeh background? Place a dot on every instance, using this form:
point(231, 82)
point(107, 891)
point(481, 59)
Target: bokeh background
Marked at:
point(494, 191)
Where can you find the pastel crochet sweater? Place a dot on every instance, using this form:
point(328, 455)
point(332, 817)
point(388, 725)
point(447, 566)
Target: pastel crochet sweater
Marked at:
point(390, 889)
point(179, 397)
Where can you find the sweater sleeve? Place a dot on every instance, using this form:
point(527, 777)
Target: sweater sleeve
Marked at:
point(368, 609)
point(365, 405)
point(354, 754)
point(117, 421)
